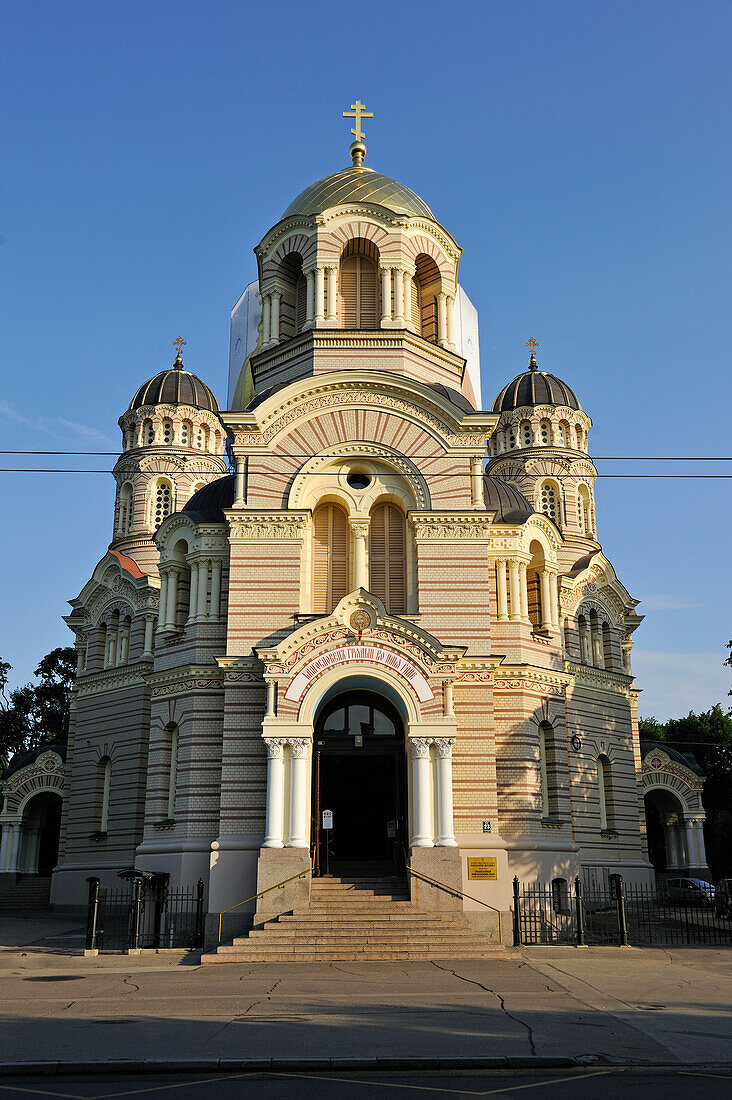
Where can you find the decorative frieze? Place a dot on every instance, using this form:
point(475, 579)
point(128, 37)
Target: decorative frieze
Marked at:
point(265, 526)
point(113, 679)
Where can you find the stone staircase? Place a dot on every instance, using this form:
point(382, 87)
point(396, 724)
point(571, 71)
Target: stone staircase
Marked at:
point(357, 919)
point(30, 894)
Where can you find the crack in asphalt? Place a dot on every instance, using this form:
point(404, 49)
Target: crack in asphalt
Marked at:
point(129, 983)
point(499, 998)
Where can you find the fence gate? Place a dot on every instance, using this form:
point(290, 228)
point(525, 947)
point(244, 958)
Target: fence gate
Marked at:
point(144, 913)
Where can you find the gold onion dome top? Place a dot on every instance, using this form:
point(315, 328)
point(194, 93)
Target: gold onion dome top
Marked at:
point(358, 184)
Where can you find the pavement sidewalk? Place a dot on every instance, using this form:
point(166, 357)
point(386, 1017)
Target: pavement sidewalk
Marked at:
point(538, 1007)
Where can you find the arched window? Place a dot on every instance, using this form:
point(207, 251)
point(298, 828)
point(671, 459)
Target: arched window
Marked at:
point(548, 761)
point(605, 792)
point(511, 439)
point(104, 786)
point(167, 431)
point(561, 434)
point(124, 516)
point(102, 646)
point(549, 501)
point(567, 634)
point(112, 640)
point(607, 645)
point(584, 515)
point(123, 644)
point(172, 761)
point(186, 433)
point(388, 557)
point(330, 557)
point(545, 432)
point(162, 503)
point(595, 640)
point(580, 437)
point(584, 638)
point(535, 568)
point(526, 437)
point(429, 285)
point(359, 286)
point(148, 432)
point(291, 284)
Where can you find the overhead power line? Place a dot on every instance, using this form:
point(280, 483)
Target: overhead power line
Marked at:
point(327, 473)
point(282, 454)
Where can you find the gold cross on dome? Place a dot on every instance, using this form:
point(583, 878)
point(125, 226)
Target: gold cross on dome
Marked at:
point(179, 343)
point(358, 112)
point(532, 343)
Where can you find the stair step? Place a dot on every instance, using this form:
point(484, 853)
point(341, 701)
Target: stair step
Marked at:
point(317, 955)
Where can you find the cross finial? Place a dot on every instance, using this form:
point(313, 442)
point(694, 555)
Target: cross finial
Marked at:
point(179, 343)
point(358, 112)
point(532, 344)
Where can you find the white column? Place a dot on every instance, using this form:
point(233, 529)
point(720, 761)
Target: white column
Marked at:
point(554, 600)
point(523, 592)
point(163, 600)
point(147, 649)
point(15, 846)
point(407, 293)
point(448, 708)
point(309, 299)
point(275, 792)
point(271, 699)
point(193, 593)
point(275, 317)
point(399, 296)
point(445, 824)
point(360, 532)
point(332, 298)
point(692, 857)
point(203, 567)
point(266, 313)
point(299, 800)
point(171, 605)
point(545, 600)
point(215, 612)
point(385, 297)
point(450, 322)
point(514, 586)
point(501, 586)
point(422, 825)
point(442, 319)
point(476, 482)
point(5, 839)
point(240, 497)
point(673, 848)
point(79, 665)
point(319, 297)
point(701, 850)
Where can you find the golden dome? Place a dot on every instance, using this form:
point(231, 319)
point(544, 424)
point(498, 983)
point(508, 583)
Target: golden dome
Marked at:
point(358, 184)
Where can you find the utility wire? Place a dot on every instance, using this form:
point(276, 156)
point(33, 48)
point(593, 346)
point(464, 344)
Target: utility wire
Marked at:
point(518, 451)
point(326, 473)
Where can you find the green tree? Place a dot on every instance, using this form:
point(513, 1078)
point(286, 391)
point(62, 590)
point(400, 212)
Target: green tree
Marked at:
point(709, 737)
point(36, 714)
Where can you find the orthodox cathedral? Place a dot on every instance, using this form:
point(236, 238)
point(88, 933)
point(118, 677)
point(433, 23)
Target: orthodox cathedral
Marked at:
point(357, 627)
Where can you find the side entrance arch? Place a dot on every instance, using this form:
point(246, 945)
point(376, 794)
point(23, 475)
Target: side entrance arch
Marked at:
point(674, 815)
point(33, 792)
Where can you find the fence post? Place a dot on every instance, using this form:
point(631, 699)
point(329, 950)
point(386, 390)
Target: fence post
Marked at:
point(92, 914)
point(199, 913)
point(137, 888)
point(516, 913)
point(580, 912)
point(622, 917)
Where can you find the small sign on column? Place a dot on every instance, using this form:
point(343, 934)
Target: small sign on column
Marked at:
point(327, 819)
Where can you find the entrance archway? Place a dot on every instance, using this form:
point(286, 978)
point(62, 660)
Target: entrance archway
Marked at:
point(359, 785)
point(40, 834)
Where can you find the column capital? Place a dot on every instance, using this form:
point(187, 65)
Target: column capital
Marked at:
point(420, 746)
point(275, 747)
point(299, 746)
point(444, 745)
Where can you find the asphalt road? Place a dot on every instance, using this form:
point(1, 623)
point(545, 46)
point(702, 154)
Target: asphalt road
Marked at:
point(592, 1084)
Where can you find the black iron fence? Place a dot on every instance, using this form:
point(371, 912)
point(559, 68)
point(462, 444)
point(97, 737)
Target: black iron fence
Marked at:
point(565, 913)
point(144, 913)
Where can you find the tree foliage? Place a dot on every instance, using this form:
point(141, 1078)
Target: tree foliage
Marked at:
point(709, 737)
point(36, 714)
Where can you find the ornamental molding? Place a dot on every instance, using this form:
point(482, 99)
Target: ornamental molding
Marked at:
point(379, 451)
point(456, 527)
point(186, 678)
point(535, 413)
point(518, 676)
point(657, 764)
point(113, 679)
point(48, 767)
point(601, 679)
point(266, 526)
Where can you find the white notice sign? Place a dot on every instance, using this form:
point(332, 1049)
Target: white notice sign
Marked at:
point(327, 819)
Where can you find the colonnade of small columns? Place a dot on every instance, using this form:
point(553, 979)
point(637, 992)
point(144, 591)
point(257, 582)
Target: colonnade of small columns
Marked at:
point(205, 580)
point(513, 595)
point(321, 304)
point(12, 851)
point(685, 847)
point(512, 436)
point(172, 431)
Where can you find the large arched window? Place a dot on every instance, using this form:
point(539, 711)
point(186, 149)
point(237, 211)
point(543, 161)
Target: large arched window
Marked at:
point(427, 286)
point(596, 640)
point(584, 640)
point(330, 557)
point(549, 502)
point(584, 514)
point(291, 282)
point(104, 786)
point(388, 557)
point(171, 752)
point(537, 613)
point(605, 792)
point(359, 286)
point(162, 502)
point(607, 645)
point(123, 644)
point(124, 516)
point(548, 771)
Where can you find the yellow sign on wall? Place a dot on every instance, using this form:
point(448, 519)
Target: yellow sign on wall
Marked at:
point(483, 867)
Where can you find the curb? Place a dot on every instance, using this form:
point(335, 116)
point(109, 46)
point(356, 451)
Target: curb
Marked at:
point(334, 1065)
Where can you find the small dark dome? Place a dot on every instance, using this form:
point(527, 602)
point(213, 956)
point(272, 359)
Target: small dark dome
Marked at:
point(509, 504)
point(455, 396)
point(175, 387)
point(27, 758)
point(208, 504)
point(534, 387)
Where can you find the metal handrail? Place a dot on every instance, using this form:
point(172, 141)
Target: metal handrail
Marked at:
point(458, 893)
point(261, 894)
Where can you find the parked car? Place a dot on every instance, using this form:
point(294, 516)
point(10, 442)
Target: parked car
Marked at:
point(688, 891)
point(723, 898)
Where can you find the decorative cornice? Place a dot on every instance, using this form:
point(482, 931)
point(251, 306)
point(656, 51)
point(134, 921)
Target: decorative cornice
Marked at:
point(185, 678)
point(113, 679)
point(266, 526)
point(601, 679)
point(453, 527)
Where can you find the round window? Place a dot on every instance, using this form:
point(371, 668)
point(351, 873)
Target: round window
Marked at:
point(358, 481)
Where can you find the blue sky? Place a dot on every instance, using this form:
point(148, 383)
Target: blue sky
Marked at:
point(578, 152)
